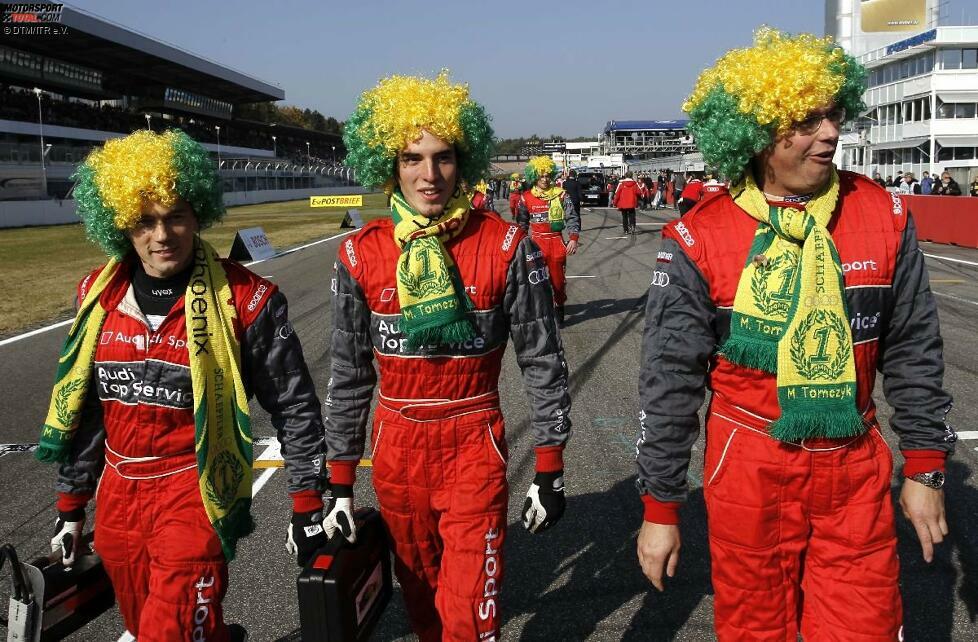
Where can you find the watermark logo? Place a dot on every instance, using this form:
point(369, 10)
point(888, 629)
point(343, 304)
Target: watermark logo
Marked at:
point(31, 18)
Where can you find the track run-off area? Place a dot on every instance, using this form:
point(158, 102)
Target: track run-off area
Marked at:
point(581, 579)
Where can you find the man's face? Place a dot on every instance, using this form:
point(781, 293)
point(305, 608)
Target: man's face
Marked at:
point(544, 181)
point(427, 172)
point(164, 238)
point(801, 161)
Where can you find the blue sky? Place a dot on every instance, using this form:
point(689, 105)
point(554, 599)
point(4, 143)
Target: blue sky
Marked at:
point(539, 68)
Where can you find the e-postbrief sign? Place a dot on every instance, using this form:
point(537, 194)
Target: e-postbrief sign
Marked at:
point(350, 200)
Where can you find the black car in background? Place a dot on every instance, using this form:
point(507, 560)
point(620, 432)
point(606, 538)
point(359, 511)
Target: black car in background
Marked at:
point(594, 189)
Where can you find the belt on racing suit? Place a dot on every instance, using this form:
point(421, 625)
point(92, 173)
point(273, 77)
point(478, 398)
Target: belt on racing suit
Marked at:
point(722, 408)
point(439, 409)
point(544, 235)
point(138, 468)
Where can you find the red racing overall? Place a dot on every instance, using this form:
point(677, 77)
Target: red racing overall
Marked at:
point(802, 536)
point(161, 553)
point(439, 448)
point(534, 217)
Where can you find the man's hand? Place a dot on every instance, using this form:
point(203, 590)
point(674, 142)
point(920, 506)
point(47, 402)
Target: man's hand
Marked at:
point(571, 247)
point(658, 550)
point(924, 507)
point(545, 502)
point(305, 535)
point(68, 534)
point(339, 516)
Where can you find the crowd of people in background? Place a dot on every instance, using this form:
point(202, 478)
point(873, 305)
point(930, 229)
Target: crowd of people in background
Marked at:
point(907, 183)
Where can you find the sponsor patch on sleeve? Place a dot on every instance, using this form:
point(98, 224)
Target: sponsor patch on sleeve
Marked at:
point(897, 204)
point(684, 234)
point(510, 235)
point(664, 257)
point(350, 252)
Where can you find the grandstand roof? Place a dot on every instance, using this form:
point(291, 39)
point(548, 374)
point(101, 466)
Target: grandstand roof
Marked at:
point(644, 125)
point(133, 62)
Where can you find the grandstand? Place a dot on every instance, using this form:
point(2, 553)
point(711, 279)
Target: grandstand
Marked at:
point(646, 139)
point(61, 94)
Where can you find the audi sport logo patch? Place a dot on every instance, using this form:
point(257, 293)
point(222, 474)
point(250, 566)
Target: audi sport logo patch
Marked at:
point(660, 279)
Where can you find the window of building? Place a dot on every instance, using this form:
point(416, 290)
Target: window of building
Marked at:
point(945, 154)
point(964, 153)
point(969, 59)
point(945, 110)
point(964, 110)
point(950, 59)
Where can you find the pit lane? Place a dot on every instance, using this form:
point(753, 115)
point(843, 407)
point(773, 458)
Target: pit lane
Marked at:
point(581, 579)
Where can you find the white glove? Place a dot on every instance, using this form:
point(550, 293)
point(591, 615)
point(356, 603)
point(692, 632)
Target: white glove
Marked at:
point(68, 535)
point(340, 515)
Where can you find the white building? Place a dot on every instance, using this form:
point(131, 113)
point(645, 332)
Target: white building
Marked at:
point(923, 107)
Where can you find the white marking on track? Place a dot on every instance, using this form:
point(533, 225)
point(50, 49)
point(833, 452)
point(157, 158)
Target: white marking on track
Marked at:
point(68, 321)
point(968, 434)
point(580, 276)
point(127, 637)
point(612, 238)
point(956, 298)
point(948, 258)
point(653, 224)
point(262, 480)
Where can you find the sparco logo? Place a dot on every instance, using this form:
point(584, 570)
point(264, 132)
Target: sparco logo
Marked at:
point(660, 279)
point(198, 304)
point(510, 235)
point(262, 289)
point(684, 234)
point(202, 611)
point(350, 254)
point(487, 607)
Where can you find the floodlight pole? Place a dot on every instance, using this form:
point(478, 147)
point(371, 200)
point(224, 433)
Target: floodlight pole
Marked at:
point(274, 146)
point(40, 124)
point(147, 122)
point(218, 128)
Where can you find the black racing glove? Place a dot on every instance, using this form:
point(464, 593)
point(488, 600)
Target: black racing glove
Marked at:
point(339, 514)
point(306, 535)
point(68, 534)
point(545, 502)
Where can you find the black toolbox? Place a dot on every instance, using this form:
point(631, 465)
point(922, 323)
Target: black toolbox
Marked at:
point(345, 587)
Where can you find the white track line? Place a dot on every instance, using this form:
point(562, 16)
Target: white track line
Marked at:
point(581, 276)
point(262, 480)
point(968, 434)
point(68, 321)
point(956, 298)
point(948, 258)
point(612, 238)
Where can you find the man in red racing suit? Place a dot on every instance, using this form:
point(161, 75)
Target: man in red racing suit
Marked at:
point(134, 448)
point(533, 215)
point(439, 448)
point(802, 534)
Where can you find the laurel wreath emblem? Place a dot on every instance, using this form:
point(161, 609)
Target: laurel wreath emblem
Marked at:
point(224, 479)
point(418, 286)
point(65, 415)
point(803, 363)
point(764, 299)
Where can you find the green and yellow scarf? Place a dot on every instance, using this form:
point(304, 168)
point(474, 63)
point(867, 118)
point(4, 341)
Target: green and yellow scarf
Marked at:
point(432, 297)
point(222, 424)
point(790, 315)
point(556, 211)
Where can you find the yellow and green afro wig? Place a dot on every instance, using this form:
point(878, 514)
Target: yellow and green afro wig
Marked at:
point(393, 114)
point(539, 166)
point(117, 180)
point(750, 96)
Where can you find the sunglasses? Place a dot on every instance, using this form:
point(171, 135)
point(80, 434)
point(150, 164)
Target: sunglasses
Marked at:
point(809, 126)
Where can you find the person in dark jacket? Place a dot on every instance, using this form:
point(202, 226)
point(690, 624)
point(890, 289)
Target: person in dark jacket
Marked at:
point(573, 189)
point(948, 186)
point(784, 296)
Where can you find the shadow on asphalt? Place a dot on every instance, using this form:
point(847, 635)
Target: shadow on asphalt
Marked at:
point(572, 577)
point(576, 313)
point(928, 589)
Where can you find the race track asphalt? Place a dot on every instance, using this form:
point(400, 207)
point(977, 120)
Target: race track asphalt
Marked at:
point(580, 580)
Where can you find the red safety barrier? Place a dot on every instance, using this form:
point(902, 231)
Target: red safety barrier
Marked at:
point(945, 219)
